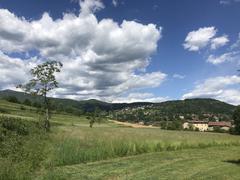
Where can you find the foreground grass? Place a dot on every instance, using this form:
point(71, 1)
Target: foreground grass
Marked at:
point(210, 163)
point(108, 151)
point(76, 145)
point(22, 149)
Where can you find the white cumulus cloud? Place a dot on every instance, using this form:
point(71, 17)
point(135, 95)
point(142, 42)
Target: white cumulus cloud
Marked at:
point(219, 88)
point(228, 2)
point(230, 56)
point(14, 71)
point(140, 97)
point(115, 3)
point(236, 45)
point(90, 6)
point(101, 58)
point(199, 39)
point(178, 76)
point(219, 42)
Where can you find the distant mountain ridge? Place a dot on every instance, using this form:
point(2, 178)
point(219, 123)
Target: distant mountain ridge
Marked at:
point(87, 105)
point(174, 107)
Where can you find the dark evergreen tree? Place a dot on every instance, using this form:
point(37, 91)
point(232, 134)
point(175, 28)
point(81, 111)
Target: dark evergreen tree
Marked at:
point(236, 118)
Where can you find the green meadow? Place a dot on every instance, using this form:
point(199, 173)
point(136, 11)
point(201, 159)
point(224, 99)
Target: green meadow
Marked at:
point(72, 150)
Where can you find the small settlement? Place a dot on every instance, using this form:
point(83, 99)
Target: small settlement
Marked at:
point(207, 125)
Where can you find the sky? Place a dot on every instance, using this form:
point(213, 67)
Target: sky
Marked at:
point(125, 50)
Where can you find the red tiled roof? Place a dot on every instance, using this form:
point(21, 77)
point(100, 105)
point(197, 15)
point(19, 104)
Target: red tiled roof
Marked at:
point(221, 124)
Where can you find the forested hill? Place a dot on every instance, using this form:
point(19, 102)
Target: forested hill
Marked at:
point(196, 106)
point(189, 106)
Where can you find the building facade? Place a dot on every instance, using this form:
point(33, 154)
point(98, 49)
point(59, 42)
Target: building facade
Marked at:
point(196, 125)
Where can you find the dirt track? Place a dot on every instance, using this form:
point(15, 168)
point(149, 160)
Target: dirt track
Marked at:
point(134, 125)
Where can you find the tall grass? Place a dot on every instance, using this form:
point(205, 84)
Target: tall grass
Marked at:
point(95, 147)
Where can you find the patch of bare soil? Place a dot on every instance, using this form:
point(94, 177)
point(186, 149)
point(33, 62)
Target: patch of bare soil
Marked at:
point(134, 125)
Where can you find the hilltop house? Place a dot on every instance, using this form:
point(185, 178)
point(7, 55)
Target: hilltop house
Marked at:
point(221, 124)
point(200, 125)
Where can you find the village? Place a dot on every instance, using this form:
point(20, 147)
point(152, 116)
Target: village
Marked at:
point(175, 118)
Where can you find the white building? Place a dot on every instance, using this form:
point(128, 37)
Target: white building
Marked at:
point(200, 125)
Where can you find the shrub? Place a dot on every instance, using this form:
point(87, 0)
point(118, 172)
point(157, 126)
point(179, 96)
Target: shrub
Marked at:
point(22, 146)
point(14, 124)
point(22, 108)
point(236, 118)
point(37, 105)
point(27, 102)
point(3, 110)
point(12, 99)
point(219, 130)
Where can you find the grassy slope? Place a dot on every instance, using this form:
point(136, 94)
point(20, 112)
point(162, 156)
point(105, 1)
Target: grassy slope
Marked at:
point(208, 163)
point(14, 110)
point(195, 161)
point(106, 152)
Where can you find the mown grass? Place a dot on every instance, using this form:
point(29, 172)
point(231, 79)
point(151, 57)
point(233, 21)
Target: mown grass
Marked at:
point(209, 163)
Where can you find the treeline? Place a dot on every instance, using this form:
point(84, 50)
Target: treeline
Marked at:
point(26, 102)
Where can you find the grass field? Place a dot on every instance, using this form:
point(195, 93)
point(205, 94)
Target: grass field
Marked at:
point(210, 163)
point(108, 151)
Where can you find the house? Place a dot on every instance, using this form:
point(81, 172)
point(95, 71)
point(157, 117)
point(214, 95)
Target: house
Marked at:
point(181, 117)
point(200, 125)
point(221, 124)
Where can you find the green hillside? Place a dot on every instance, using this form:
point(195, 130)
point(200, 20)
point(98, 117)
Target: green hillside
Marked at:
point(196, 106)
point(176, 111)
point(179, 107)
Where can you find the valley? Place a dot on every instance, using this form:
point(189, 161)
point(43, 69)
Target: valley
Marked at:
point(73, 150)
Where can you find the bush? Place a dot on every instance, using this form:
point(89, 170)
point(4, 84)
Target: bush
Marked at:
point(232, 130)
point(14, 124)
point(13, 99)
point(22, 145)
point(22, 108)
point(218, 129)
point(236, 118)
point(37, 105)
point(3, 110)
point(27, 102)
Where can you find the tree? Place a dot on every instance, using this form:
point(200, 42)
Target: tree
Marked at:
point(36, 105)
point(236, 118)
point(27, 102)
point(43, 81)
point(95, 117)
point(12, 99)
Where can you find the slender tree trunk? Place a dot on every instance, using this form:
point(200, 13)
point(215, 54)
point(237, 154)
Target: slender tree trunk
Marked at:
point(167, 125)
point(46, 123)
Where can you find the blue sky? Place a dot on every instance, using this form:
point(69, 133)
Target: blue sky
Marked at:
point(125, 50)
